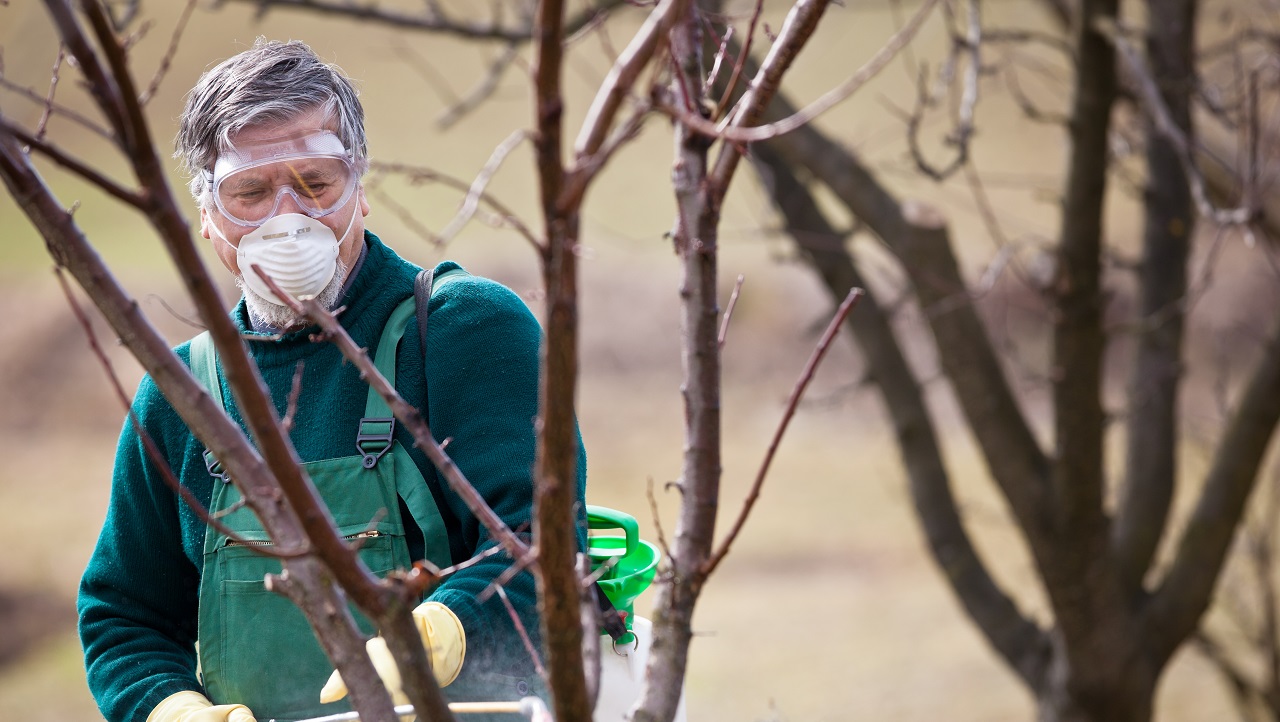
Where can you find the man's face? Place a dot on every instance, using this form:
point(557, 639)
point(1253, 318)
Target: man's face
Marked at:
point(350, 245)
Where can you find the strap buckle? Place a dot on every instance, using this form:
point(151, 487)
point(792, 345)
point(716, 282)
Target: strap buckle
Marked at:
point(374, 438)
point(214, 467)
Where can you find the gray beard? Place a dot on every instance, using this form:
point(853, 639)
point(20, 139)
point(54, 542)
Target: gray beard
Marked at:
point(268, 316)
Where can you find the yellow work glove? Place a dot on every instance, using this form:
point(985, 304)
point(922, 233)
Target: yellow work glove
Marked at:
point(443, 638)
point(194, 707)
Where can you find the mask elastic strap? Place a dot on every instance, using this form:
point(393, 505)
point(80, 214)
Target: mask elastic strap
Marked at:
point(218, 231)
point(342, 239)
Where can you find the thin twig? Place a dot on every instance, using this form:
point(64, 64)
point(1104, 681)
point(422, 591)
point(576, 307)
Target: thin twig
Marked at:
point(110, 187)
point(578, 181)
point(63, 111)
point(518, 566)
point(295, 391)
point(192, 322)
point(1164, 124)
point(418, 174)
point(435, 20)
point(53, 87)
point(167, 60)
point(622, 76)
point(963, 131)
point(657, 520)
point(806, 115)
point(792, 403)
point(728, 311)
point(742, 56)
point(1030, 110)
point(524, 634)
point(403, 213)
point(483, 91)
point(798, 27)
point(472, 201)
point(132, 39)
point(595, 23)
point(721, 52)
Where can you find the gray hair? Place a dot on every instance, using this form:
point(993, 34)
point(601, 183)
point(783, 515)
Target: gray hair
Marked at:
point(271, 82)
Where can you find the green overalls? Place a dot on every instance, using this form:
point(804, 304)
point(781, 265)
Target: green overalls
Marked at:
point(256, 647)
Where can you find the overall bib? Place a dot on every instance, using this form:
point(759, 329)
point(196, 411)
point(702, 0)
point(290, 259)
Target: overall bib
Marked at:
point(256, 647)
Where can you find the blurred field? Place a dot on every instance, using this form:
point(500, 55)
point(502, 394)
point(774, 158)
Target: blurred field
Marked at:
point(830, 609)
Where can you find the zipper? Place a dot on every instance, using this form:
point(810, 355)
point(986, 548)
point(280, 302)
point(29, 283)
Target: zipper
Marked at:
point(371, 534)
point(249, 543)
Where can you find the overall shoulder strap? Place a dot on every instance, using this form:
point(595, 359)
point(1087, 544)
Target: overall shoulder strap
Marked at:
point(424, 286)
point(377, 427)
point(204, 365)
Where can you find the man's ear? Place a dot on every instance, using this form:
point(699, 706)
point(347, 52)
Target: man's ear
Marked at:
point(364, 201)
point(204, 223)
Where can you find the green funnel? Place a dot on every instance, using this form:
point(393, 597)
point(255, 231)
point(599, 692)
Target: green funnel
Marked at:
point(628, 562)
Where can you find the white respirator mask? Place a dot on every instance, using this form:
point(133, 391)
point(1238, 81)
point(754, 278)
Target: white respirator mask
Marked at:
point(295, 250)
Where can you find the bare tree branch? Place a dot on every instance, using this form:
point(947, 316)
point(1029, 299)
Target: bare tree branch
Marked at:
point(416, 174)
point(1222, 181)
point(59, 110)
point(435, 20)
point(555, 494)
point(797, 392)
point(107, 185)
point(167, 60)
point(524, 634)
point(1167, 126)
point(42, 125)
point(410, 417)
point(695, 237)
point(622, 76)
point(920, 240)
point(476, 191)
point(821, 105)
point(1019, 642)
point(483, 91)
point(799, 26)
point(1077, 334)
point(732, 85)
point(1151, 457)
point(1184, 592)
point(963, 131)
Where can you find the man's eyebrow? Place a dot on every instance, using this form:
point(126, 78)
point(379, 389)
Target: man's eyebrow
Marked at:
point(315, 171)
point(244, 181)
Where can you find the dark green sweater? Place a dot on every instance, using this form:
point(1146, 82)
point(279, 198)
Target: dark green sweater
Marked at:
point(138, 597)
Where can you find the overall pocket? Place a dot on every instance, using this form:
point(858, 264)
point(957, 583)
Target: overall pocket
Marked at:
point(270, 660)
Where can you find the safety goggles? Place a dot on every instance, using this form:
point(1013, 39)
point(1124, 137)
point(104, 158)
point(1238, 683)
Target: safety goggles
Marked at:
point(251, 181)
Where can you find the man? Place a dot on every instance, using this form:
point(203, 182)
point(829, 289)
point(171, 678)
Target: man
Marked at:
point(174, 619)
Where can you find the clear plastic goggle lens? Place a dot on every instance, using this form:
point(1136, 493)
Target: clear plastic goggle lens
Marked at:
point(252, 194)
